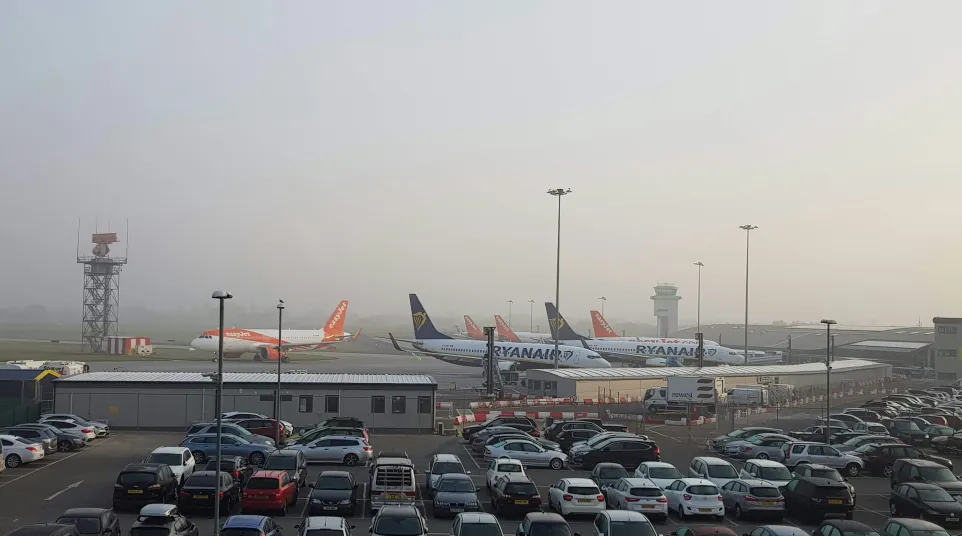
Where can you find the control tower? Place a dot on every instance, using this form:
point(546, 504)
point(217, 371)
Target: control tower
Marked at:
point(666, 308)
point(101, 293)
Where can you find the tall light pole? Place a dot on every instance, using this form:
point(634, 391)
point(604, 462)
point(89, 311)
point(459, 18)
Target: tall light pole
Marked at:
point(277, 395)
point(828, 376)
point(510, 303)
point(748, 233)
point(221, 296)
point(699, 264)
point(559, 193)
point(531, 315)
point(603, 300)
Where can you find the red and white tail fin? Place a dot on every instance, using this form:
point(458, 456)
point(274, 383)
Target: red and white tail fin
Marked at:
point(601, 327)
point(504, 331)
point(474, 332)
point(335, 324)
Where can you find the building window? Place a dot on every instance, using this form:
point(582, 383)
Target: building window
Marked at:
point(305, 404)
point(331, 404)
point(424, 404)
point(267, 398)
point(287, 398)
point(535, 385)
point(947, 353)
point(948, 330)
point(270, 398)
point(399, 404)
point(377, 404)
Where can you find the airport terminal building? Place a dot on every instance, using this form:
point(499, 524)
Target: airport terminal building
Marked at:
point(175, 400)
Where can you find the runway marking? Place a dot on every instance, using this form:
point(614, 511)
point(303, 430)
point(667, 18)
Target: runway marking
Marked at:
point(64, 490)
point(51, 464)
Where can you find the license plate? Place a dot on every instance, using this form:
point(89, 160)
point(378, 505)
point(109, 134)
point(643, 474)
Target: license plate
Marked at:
point(647, 506)
point(952, 519)
point(330, 508)
point(585, 500)
point(202, 496)
point(704, 509)
point(520, 502)
point(457, 510)
point(395, 496)
point(135, 491)
point(768, 503)
point(835, 501)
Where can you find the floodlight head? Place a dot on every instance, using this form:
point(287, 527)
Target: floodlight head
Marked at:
point(280, 304)
point(748, 227)
point(560, 191)
point(828, 322)
point(221, 295)
point(699, 263)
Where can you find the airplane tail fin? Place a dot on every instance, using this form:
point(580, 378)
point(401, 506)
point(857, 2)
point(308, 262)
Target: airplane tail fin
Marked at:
point(423, 327)
point(560, 330)
point(505, 331)
point(474, 332)
point(601, 327)
point(335, 324)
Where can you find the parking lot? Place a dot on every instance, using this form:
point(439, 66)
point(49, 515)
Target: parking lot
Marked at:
point(40, 492)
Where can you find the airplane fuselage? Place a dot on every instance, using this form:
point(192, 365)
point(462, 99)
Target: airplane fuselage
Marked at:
point(713, 353)
point(241, 341)
point(525, 354)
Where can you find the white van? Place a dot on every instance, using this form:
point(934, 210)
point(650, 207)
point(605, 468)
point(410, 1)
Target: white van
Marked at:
point(754, 397)
point(392, 483)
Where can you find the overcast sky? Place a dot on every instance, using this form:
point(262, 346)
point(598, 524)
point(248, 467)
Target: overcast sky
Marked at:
point(316, 151)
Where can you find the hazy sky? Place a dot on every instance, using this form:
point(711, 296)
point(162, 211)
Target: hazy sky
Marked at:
point(318, 150)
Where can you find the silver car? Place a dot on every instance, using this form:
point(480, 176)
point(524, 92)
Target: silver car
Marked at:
point(768, 470)
point(336, 449)
point(530, 453)
point(777, 530)
point(795, 453)
point(753, 497)
point(762, 446)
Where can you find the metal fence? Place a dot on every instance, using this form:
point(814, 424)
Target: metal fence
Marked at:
point(18, 413)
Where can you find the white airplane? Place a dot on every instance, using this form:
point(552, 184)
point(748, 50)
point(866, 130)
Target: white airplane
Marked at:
point(648, 354)
point(263, 342)
point(509, 355)
point(602, 330)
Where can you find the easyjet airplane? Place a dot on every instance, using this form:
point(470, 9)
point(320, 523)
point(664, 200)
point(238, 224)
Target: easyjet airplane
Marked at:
point(263, 342)
point(473, 331)
point(505, 333)
point(602, 330)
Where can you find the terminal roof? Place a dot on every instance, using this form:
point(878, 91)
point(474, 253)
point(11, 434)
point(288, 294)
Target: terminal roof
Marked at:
point(252, 377)
point(730, 371)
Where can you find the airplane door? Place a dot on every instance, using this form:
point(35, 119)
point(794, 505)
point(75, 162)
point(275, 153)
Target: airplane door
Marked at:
point(576, 358)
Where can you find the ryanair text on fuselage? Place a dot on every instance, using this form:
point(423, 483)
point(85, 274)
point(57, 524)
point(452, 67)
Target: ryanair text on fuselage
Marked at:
point(513, 352)
point(672, 350)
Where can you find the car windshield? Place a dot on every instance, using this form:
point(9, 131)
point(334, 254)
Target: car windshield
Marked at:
point(773, 473)
point(509, 468)
point(829, 474)
point(320, 532)
point(456, 486)
point(240, 531)
point(764, 492)
point(583, 490)
point(263, 483)
point(443, 468)
point(756, 440)
point(166, 459)
point(150, 531)
point(664, 473)
point(549, 529)
point(935, 495)
point(521, 488)
point(201, 481)
point(722, 471)
point(631, 528)
point(702, 490)
point(398, 526)
point(645, 492)
point(937, 474)
point(612, 472)
point(129, 479)
point(85, 525)
point(480, 529)
point(929, 533)
point(333, 482)
point(281, 463)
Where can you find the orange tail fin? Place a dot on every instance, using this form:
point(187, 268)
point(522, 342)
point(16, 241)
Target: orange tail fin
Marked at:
point(474, 331)
point(504, 331)
point(601, 327)
point(335, 324)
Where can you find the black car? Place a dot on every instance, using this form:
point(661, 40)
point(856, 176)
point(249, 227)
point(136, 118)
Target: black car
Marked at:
point(904, 526)
point(515, 493)
point(817, 470)
point(626, 451)
point(45, 529)
point(907, 430)
point(947, 444)
point(236, 466)
point(569, 437)
point(879, 459)
point(341, 422)
point(844, 527)
point(162, 520)
point(144, 483)
point(814, 433)
point(742, 433)
point(333, 493)
point(537, 523)
point(292, 461)
point(841, 437)
point(201, 490)
point(928, 472)
point(552, 432)
point(524, 424)
point(96, 521)
point(811, 499)
point(606, 474)
point(927, 501)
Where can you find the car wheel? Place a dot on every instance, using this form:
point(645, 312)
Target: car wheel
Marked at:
point(199, 457)
point(762, 456)
point(738, 511)
point(852, 469)
point(257, 458)
point(556, 464)
point(284, 509)
point(63, 446)
point(351, 460)
point(13, 460)
point(681, 513)
point(894, 509)
point(887, 471)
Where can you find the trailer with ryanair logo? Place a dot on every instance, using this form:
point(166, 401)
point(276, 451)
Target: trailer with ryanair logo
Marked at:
point(683, 391)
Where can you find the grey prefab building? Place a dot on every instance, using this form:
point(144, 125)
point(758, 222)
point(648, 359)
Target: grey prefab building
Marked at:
point(175, 400)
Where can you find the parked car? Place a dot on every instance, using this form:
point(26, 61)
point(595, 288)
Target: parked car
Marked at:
point(500, 467)
point(263, 427)
point(908, 430)
point(45, 529)
point(638, 495)
point(93, 521)
point(88, 432)
point(235, 466)
point(856, 442)
point(844, 527)
point(575, 496)
point(742, 433)
point(567, 438)
point(334, 492)
point(522, 423)
point(67, 441)
point(350, 451)
point(716, 470)
point(203, 446)
point(229, 428)
point(455, 493)
point(272, 491)
point(313, 435)
point(204, 487)
point(661, 473)
point(292, 461)
point(810, 499)
point(767, 470)
point(626, 451)
point(753, 497)
point(557, 428)
point(18, 451)
point(926, 471)
point(871, 428)
point(144, 483)
point(530, 453)
point(794, 454)
point(814, 470)
point(341, 422)
point(606, 474)
point(879, 459)
point(621, 522)
point(44, 438)
point(324, 525)
point(762, 446)
point(476, 524)
point(394, 520)
point(903, 526)
point(947, 444)
point(247, 525)
point(101, 428)
point(160, 519)
point(179, 459)
point(515, 493)
point(927, 501)
point(690, 497)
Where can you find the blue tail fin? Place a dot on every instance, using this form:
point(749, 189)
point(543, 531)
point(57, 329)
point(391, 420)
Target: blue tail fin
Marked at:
point(560, 330)
point(423, 327)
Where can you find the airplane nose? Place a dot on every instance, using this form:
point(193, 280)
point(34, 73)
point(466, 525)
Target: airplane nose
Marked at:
point(603, 363)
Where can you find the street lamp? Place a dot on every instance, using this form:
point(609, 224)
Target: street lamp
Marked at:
point(559, 193)
point(699, 264)
point(510, 303)
point(221, 296)
point(280, 348)
point(748, 232)
point(603, 300)
point(531, 315)
point(828, 376)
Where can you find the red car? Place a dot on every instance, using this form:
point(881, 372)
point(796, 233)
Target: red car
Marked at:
point(264, 427)
point(269, 490)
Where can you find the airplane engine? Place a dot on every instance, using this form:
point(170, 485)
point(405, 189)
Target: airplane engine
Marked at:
point(656, 362)
point(270, 354)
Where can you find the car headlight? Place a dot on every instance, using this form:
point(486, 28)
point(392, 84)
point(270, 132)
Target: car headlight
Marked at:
point(440, 503)
point(315, 501)
point(346, 501)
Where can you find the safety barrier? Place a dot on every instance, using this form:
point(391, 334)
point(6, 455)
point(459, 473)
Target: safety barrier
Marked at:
point(483, 416)
point(444, 405)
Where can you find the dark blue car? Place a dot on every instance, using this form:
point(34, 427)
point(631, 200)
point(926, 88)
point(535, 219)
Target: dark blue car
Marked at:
point(245, 525)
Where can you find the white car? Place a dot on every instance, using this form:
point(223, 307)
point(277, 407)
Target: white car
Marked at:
point(17, 450)
point(500, 467)
point(719, 471)
point(661, 473)
point(180, 460)
point(530, 453)
point(576, 496)
point(88, 432)
point(231, 415)
point(638, 495)
point(769, 470)
point(101, 429)
point(695, 497)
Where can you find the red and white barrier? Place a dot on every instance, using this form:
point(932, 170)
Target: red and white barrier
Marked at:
point(483, 416)
point(444, 405)
point(524, 401)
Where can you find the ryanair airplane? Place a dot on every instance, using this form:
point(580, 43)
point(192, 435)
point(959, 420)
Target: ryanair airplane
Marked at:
point(510, 355)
